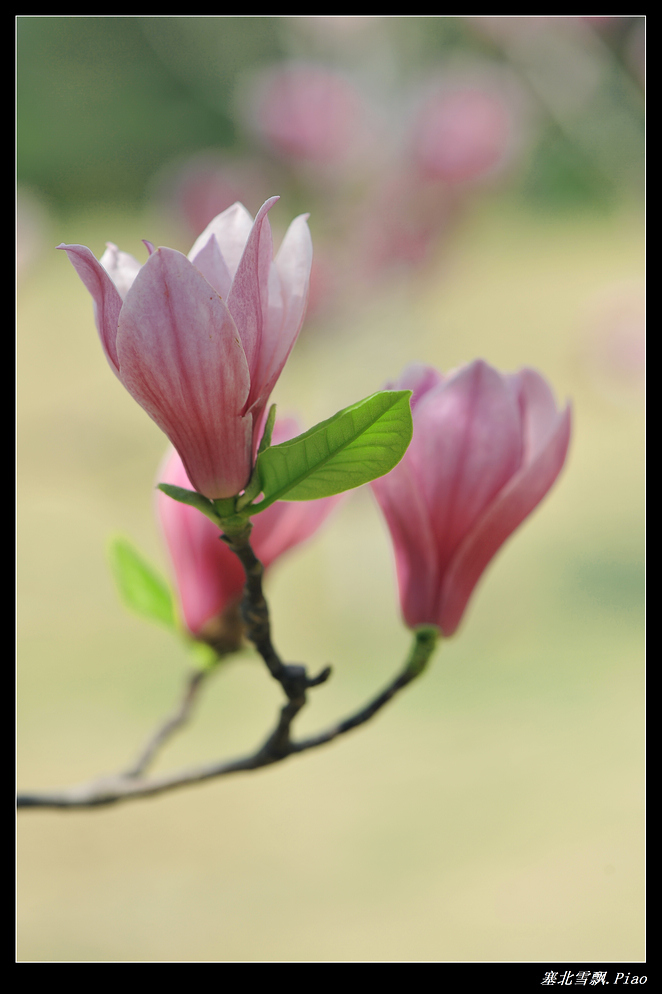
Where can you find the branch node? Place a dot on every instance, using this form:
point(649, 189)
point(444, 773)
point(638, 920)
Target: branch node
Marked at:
point(321, 677)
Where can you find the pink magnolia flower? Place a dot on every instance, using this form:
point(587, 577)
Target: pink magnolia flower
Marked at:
point(486, 448)
point(199, 342)
point(210, 578)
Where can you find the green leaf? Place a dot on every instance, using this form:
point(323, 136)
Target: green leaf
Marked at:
point(140, 585)
point(356, 445)
point(190, 497)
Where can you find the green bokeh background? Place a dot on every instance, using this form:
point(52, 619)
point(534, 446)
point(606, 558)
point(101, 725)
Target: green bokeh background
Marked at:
point(494, 811)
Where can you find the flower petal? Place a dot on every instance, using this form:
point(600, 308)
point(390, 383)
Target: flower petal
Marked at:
point(418, 378)
point(180, 357)
point(211, 264)
point(467, 444)
point(231, 229)
point(107, 300)
point(121, 267)
point(539, 411)
point(399, 496)
point(289, 280)
point(209, 576)
point(515, 502)
point(248, 299)
point(288, 296)
point(286, 524)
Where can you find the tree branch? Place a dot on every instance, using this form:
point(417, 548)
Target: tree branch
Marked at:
point(278, 746)
point(293, 678)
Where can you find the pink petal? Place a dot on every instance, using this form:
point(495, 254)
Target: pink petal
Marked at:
point(288, 296)
point(399, 496)
point(231, 229)
point(516, 501)
point(249, 294)
point(211, 264)
point(467, 444)
point(121, 267)
point(107, 301)
point(418, 378)
point(293, 263)
point(539, 411)
point(285, 525)
point(209, 576)
point(181, 359)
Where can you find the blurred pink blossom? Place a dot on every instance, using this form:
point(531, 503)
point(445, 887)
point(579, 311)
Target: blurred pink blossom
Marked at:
point(210, 578)
point(204, 185)
point(462, 134)
point(309, 113)
point(486, 449)
point(199, 342)
point(466, 127)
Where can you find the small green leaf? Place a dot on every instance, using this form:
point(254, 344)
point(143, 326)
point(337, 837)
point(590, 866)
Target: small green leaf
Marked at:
point(190, 497)
point(140, 585)
point(203, 656)
point(356, 445)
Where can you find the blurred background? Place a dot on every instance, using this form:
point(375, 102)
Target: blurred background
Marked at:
point(475, 188)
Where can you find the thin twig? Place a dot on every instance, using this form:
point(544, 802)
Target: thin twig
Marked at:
point(360, 717)
point(179, 717)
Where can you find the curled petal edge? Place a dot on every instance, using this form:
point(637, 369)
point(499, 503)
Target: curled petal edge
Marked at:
point(104, 293)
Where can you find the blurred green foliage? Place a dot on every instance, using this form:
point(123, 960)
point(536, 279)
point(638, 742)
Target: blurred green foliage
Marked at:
point(99, 110)
point(104, 102)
